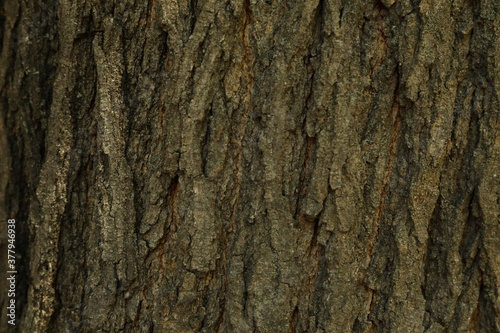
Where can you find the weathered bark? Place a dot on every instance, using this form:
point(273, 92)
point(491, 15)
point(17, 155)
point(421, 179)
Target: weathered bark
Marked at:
point(252, 166)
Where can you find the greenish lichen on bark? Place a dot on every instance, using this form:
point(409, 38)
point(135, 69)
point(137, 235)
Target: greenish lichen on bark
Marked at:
point(252, 166)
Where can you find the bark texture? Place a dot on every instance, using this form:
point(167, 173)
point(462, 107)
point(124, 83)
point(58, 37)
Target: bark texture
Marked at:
point(252, 165)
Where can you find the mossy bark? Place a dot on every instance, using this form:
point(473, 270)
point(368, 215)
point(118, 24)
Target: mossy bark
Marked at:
point(252, 166)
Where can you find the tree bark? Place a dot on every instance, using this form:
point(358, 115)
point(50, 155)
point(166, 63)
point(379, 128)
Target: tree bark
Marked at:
point(252, 166)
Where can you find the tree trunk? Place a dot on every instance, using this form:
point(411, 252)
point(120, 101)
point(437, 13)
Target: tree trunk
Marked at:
point(251, 166)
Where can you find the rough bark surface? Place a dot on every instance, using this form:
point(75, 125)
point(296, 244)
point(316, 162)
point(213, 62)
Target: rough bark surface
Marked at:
point(252, 166)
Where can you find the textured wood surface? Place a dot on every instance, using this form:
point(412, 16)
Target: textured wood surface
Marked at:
point(252, 166)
